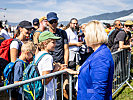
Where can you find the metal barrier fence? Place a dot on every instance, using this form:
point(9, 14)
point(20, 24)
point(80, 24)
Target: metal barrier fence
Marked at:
point(122, 61)
point(40, 78)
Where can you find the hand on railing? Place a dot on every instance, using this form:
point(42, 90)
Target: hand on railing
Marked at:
point(71, 71)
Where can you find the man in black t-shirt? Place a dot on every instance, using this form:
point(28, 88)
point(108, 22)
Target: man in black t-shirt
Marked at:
point(122, 40)
point(61, 52)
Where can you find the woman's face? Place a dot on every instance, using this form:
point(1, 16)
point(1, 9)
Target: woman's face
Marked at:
point(25, 32)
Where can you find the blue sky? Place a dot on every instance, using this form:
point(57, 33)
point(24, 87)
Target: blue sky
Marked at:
point(18, 10)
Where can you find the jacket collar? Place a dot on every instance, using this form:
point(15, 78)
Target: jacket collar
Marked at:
point(92, 55)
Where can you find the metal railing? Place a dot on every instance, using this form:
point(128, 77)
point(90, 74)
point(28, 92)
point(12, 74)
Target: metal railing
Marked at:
point(8, 87)
point(122, 61)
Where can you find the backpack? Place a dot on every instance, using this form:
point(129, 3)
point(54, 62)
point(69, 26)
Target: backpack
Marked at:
point(112, 37)
point(9, 72)
point(5, 48)
point(32, 71)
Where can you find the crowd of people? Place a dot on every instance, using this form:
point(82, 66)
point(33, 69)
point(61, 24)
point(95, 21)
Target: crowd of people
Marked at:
point(84, 50)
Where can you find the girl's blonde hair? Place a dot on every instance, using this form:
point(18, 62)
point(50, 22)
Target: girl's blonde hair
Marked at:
point(41, 44)
point(95, 33)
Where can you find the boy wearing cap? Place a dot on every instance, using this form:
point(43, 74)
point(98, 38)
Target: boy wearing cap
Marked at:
point(123, 38)
point(47, 42)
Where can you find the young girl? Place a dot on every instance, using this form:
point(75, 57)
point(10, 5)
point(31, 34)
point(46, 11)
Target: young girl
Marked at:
point(47, 42)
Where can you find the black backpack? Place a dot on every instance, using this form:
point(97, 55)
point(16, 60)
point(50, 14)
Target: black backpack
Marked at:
point(112, 37)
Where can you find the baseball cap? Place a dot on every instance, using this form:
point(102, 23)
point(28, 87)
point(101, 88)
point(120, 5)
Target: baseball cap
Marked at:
point(25, 24)
point(51, 16)
point(47, 35)
point(128, 22)
point(42, 18)
point(36, 21)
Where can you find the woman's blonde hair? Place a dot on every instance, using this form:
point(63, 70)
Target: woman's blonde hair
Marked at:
point(95, 33)
point(28, 46)
point(41, 44)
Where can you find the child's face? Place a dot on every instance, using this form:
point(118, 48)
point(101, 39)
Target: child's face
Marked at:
point(29, 55)
point(51, 45)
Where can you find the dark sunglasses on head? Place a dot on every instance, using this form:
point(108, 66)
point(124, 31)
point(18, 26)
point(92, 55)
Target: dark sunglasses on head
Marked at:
point(129, 26)
point(53, 21)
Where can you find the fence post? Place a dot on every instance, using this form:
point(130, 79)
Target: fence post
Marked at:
point(70, 87)
point(62, 86)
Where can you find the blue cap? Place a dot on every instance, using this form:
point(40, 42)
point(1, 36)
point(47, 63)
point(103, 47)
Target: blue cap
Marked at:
point(51, 16)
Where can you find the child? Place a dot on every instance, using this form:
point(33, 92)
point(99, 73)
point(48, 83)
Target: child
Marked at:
point(27, 52)
point(47, 42)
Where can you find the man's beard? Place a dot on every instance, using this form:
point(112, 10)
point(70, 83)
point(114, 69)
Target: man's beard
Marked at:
point(74, 29)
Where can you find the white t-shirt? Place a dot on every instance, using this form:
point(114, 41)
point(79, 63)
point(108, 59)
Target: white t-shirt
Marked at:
point(72, 38)
point(15, 44)
point(46, 64)
point(4, 34)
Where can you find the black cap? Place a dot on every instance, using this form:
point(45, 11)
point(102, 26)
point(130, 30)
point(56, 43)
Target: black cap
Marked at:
point(36, 21)
point(25, 24)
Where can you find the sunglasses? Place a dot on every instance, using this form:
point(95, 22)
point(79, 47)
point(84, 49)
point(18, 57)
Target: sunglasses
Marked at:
point(53, 21)
point(29, 29)
point(118, 24)
point(130, 26)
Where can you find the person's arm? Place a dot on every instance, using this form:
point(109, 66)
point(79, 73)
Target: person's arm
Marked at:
point(66, 53)
point(78, 44)
point(36, 37)
point(13, 54)
point(122, 46)
point(56, 68)
point(66, 47)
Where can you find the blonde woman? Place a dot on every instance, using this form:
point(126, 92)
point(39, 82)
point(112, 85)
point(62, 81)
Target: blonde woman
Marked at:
point(96, 74)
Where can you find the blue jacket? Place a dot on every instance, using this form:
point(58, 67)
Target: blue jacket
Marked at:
point(96, 76)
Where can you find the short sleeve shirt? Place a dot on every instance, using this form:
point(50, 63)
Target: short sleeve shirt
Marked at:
point(58, 53)
point(46, 63)
point(72, 38)
point(18, 72)
point(121, 36)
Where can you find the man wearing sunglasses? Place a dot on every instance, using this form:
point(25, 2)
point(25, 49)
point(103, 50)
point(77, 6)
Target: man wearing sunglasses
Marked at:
point(123, 38)
point(117, 25)
point(61, 52)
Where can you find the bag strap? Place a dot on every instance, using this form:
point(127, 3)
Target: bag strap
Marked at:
point(38, 31)
point(39, 59)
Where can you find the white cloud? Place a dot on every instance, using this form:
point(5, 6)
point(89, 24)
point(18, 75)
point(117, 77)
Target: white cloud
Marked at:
point(65, 9)
point(17, 15)
point(20, 1)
